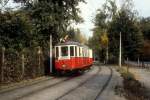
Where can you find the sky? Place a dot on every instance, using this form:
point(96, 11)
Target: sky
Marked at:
point(88, 12)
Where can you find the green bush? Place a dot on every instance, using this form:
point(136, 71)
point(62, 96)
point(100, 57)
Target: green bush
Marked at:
point(133, 88)
point(126, 74)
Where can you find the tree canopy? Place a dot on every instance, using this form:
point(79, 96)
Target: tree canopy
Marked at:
point(113, 21)
point(35, 20)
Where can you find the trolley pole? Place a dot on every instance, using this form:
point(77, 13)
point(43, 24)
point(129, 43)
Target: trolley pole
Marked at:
point(50, 54)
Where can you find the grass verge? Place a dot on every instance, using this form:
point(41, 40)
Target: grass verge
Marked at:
point(133, 89)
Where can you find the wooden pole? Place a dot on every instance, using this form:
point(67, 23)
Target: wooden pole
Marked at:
point(3, 63)
point(127, 65)
point(39, 58)
point(50, 54)
point(22, 58)
point(120, 52)
point(138, 62)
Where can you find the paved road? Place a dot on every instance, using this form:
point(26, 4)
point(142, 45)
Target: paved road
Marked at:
point(97, 84)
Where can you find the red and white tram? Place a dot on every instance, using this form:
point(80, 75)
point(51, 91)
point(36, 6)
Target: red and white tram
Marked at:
point(71, 56)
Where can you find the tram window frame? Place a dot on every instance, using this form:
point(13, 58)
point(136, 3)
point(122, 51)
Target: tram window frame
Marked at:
point(65, 53)
point(72, 51)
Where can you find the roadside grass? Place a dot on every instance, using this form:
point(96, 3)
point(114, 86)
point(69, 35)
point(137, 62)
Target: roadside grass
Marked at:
point(133, 89)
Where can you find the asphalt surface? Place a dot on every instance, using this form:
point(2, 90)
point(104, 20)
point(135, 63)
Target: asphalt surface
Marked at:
point(96, 84)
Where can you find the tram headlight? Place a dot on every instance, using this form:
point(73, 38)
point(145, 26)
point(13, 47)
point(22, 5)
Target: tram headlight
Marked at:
point(64, 66)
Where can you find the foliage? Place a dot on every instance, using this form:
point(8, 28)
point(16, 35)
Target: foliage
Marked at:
point(126, 74)
point(146, 50)
point(145, 27)
point(31, 25)
point(23, 29)
point(3, 4)
point(132, 38)
point(14, 30)
point(133, 89)
point(13, 70)
point(104, 40)
point(76, 35)
point(112, 20)
point(51, 16)
point(99, 40)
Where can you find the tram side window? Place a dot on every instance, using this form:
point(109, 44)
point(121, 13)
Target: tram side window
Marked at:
point(71, 50)
point(57, 52)
point(64, 51)
point(80, 52)
point(83, 53)
point(75, 51)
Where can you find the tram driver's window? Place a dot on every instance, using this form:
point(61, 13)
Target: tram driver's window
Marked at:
point(64, 51)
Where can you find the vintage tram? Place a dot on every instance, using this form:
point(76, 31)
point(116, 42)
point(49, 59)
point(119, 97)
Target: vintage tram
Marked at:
point(71, 56)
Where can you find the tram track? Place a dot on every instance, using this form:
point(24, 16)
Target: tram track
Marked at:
point(29, 91)
point(105, 85)
point(82, 83)
point(56, 91)
point(25, 92)
point(30, 84)
point(33, 89)
point(50, 86)
point(11, 88)
point(37, 86)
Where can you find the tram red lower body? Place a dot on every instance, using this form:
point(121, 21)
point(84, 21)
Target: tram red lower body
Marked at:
point(73, 63)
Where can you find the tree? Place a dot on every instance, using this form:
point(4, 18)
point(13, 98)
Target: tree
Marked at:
point(132, 38)
point(76, 35)
point(146, 51)
point(114, 20)
point(104, 40)
point(15, 28)
point(104, 44)
point(32, 24)
point(3, 4)
point(101, 22)
point(94, 43)
point(145, 27)
point(125, 21)
point(51, 16)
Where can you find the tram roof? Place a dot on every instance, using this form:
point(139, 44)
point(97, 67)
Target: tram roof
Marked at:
point(71, 43)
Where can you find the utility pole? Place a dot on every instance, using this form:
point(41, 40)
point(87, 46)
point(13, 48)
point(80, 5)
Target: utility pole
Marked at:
point(120, 52)
point(50, 54)
point(138, 62)
point(107, 54)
